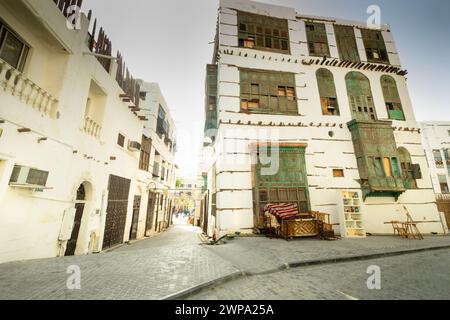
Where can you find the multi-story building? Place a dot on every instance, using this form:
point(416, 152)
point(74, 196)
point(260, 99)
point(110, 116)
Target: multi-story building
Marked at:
point(307, 110)
point(157, 165)
point(436, 140)
point(71, 128)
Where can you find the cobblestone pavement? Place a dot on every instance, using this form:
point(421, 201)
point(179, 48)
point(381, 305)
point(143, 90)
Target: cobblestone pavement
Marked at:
point(149, 269)
point(424, 275)
point(260, 254)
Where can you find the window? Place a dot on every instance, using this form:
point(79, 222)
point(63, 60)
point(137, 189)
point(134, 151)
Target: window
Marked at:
point(438, 159)
point(379, 172)
point(443, 184)
point(338, 173)
point(407, 169)
point(144, 161)
point(447, 156)
point(317, 39)
point(263, 33)
point(346, 43)
point(268, 92)
point(392, 98)
point(360, 96)
point(211, 101)
point(387, 167)
point(13, 50)
point(375, 46)
point(121, 140)
point(143, 95)
point(162, 127)
point(327, 91)
point(396, 172)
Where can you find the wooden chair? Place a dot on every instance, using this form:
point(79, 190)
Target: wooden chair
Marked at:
point(399, 228)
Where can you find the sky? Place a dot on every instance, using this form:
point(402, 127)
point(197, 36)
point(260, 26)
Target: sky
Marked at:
point(169, 42)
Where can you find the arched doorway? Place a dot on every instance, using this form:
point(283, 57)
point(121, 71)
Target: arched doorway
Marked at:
point(79, 206)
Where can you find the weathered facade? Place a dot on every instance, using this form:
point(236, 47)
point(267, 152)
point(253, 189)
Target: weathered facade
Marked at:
point(71, 130)
point(327, 100)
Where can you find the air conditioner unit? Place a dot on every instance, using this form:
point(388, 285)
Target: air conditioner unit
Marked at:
point(28, 177)
point(134, 146)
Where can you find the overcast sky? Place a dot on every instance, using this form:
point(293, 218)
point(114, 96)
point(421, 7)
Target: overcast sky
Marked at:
point(168, 41)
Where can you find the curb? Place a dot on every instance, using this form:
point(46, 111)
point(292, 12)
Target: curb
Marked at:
point(186, 292)
point(298, 264)
point(292, 265)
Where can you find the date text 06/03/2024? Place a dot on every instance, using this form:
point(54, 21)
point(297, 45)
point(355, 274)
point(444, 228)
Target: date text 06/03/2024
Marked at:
point(226, 310)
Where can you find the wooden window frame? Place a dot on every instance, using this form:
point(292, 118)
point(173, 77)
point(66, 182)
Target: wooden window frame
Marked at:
point(374, 42)
point(264, 33)
point(338, 173)
point(144, 161)
point(121, 140)
point(346, 43)
point(392, 98)
point(443, 184)
point(4, 31)
point(316, 35)
point(360, 96)
point(327, 92)
point(268, 99)
point(407, 168)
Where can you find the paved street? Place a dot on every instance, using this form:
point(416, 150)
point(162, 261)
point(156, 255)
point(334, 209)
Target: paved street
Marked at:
point(260, 255)
point(175, 261)
point(413, 276)
point(149, 269)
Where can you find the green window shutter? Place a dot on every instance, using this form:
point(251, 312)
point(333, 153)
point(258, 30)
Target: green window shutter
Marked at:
point(360, 96)
point(346, 42)
point(375, 46)
point(317, 39)
point(327, 92)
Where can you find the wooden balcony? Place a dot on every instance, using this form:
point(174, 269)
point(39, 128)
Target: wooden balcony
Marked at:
point(25, 90)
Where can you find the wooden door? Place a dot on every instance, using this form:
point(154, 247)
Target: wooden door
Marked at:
point(119, 189)
point(150, 212)
point(72, 243)
point(135, 221)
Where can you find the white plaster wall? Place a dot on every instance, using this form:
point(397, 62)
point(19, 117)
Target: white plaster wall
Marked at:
point(30, 222)
point(324, 153)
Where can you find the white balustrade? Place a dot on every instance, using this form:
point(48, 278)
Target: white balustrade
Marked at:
point(92, 128)
point(13, 82)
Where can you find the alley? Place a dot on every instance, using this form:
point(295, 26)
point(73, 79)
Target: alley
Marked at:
point(150, 269)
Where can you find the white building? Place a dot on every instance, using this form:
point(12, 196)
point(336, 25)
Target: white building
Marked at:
point(331, 96)
point(70, 139)
point(436, 140)
point(157, 166)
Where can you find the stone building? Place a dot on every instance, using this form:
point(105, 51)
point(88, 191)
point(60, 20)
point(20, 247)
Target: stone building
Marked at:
point(309, 110)
point(74, 178)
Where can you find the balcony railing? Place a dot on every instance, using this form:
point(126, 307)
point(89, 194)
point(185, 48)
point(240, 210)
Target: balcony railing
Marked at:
point(92, 128)
point(12, 81)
